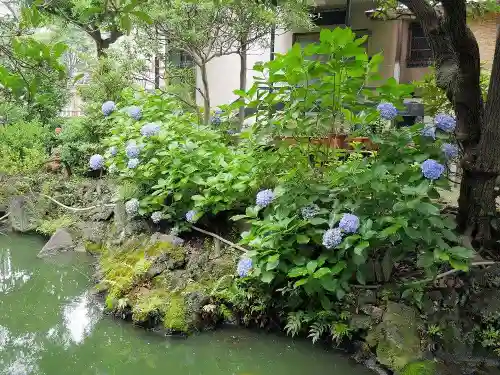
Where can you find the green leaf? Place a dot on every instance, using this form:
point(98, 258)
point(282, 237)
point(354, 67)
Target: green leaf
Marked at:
point(142, 16)
point(321, 272)
point(272, 262)
point(360, 277)
point(302, 239)
point(325, 303)
point(427, 208)
point(360, 247)
point(267, 277)
point(311, 266)
point(449, 235)
point(238, 217)
point(297, 271)
point(329, 284)
point(387, 232)
point(461, 252)
point(459, 265)
point(198, 198)
point(300, 282)
point(318, 221)
point(338, 268)
point(413, 233)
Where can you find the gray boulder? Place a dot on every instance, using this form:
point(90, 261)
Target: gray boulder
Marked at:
point(60, 242)
point(22, 215)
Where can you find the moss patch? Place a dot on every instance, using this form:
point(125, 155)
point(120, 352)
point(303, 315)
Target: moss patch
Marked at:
point(175, 316)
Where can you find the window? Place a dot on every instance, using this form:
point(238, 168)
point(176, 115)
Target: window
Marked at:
point(307, 38)
point(420, 53)
point(181, 59)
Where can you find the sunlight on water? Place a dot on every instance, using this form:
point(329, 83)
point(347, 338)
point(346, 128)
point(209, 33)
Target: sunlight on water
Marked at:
point(79, 317)
point(9, 276)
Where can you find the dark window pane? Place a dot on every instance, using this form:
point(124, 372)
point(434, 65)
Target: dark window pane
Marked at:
point(420, 53)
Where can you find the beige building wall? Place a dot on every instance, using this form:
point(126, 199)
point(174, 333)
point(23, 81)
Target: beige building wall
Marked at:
point(485, 30)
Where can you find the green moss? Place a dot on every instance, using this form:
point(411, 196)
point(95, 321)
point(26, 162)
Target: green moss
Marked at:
point(175, 316)
point(150, 304)
point(94, 248)
point(177, 253)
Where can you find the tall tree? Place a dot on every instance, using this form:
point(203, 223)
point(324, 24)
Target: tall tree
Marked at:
point(252, 23)
point(457, 61)
point(105, 21)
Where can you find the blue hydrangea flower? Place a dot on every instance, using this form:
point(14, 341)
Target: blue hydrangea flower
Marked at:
point(174, 231)
point(387, 111)
point(450, 151)
point(113, 150)
point(264, 198)
point(445, 122)
point(349, 223)
point(431, 169)
point(244, 267)
point(191, 216)
point(216, 120)
point(429, 131)
point(310, 211)
point(151, 129)
point(96, 162)
point(156, 217)
point(132, 150)
point(132, 207)
point(108, 108)
point(133, 163)
point(332, 238)
point(135, 113)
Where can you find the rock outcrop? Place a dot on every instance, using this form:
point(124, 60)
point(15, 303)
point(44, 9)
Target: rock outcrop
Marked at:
point(60, 242)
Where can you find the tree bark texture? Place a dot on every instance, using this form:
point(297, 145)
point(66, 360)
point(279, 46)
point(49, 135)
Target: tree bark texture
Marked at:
point(206, 94)
point(243, 77)
point(456, 55)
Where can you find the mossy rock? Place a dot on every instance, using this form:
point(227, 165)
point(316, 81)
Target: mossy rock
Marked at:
point(420, 368)
point(397, 338)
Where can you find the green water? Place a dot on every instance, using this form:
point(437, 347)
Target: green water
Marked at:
point(50, 325)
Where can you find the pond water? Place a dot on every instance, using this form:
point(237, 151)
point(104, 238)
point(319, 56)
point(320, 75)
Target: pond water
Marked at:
point(49, 325)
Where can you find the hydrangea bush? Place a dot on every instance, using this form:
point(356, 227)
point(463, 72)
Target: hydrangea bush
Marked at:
point(180, 165)
point(324, 226)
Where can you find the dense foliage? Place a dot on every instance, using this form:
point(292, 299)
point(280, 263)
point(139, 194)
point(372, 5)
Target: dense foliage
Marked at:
point(23, 147)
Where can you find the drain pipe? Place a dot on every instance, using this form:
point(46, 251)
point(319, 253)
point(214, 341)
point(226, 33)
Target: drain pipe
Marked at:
point(348, 13)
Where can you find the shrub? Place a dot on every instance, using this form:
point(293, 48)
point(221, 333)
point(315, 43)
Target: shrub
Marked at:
point(79, 139)
point(179, 165)
point(435, 100)
point(23, 147)
point(321, 89)
point(382, 207)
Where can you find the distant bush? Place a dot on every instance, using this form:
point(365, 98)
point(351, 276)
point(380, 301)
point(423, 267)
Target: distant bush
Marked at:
point(80, 138)
point(23, 147)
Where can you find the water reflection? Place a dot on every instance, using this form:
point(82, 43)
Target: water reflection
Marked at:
point(10, 277)
point(19, 355)
point(79, 318)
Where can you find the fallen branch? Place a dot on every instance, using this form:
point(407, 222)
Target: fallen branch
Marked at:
point(5, 216)
point(75, 208)
point(227, 242)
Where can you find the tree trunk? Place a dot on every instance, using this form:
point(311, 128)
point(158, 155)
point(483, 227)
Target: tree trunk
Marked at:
point(243, 77)
point(157, 72)
point(206, 94)
point(477, 195)
point(456, 55)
